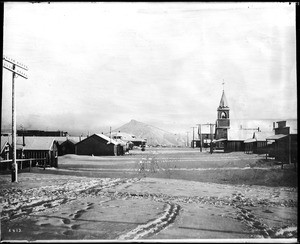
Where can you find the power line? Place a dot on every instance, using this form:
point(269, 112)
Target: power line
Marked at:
point(11, 65)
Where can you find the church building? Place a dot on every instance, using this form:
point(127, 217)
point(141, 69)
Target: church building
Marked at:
point(248, 135)
point(222, 123)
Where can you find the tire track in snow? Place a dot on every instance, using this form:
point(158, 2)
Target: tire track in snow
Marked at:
point(155, 226)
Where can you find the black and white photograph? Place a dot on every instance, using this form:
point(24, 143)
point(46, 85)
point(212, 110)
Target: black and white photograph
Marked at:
point(149, 122)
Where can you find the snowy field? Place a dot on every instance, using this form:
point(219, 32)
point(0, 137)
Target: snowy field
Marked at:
point(66, 204)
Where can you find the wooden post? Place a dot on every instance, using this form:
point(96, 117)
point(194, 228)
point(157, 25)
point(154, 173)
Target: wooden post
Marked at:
point(193, 146)
point(290, 149)
point(267, 149)
point(15, 64)
point(211, 138)
point(14, 131)
point(200, 137)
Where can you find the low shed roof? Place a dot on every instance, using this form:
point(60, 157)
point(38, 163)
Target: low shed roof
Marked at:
point(33, 142)
point(126, 136)
point(219, 140)
point(276, 137)
point(73, 139)
point(250, 140)
point(36, 143)
point(121, 142)
point(239, 134)
point(108, 139)
point(263, 135)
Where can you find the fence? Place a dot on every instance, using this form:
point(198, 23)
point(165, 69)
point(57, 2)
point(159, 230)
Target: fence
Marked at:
point(6, 164)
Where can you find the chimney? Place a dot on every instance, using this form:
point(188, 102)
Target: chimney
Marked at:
point(273, 125)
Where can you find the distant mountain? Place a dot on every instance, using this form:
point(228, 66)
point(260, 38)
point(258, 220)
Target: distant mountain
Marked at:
point(155, 136)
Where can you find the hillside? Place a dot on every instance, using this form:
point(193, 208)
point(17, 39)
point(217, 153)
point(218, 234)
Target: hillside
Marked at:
point(154, 135)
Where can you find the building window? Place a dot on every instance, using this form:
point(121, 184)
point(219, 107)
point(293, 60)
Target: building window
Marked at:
point(223, 115)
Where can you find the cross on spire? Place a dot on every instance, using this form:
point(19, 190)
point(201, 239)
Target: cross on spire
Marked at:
point(223, 84)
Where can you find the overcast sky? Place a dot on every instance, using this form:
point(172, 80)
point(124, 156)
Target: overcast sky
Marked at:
point(95, 65)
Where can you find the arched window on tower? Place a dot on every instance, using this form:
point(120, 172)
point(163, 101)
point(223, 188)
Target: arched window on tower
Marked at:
point(223, 115)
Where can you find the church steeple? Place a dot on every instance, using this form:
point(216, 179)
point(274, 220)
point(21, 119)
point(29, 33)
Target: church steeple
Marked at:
point(223, 101)
point(223, 121)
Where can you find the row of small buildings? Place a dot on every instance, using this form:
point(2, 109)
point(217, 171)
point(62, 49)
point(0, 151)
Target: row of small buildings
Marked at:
point(276, 139)
point(46, 149)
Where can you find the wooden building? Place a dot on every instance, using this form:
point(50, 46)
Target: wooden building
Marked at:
point(6, 150)
point(255, 136)
point(283, 146)
point(6, 153)
point(66, 145)
point(124, 146)
point(36, 147)
point(258, 143)
point(99, 145)
point(236, 138)
point(129, 139)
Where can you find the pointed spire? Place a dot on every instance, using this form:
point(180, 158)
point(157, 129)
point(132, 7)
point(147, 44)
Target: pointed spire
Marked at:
point(223, 101)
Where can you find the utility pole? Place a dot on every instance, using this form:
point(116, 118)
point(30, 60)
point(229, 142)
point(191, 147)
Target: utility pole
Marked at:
point(11, 65)
point(211, 136)
point(200, 136)
point(193, 137)
point(187, 138)
point(23, 144)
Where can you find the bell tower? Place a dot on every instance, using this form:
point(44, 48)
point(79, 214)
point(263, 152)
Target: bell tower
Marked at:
point(223, 122)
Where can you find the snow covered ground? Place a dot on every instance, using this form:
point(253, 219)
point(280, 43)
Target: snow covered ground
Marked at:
point(63, 207)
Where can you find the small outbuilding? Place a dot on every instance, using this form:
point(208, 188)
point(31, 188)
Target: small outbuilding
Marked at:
point(283, 148)
point(66, 145)
point(35, 147)
point(43, 147)
point(284, 144)
point(258, 143)
point(99, 145)
point(6, 153)
point(236, 138)
point(129, 139)
point(41, 150)
point(6, 150)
